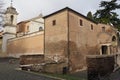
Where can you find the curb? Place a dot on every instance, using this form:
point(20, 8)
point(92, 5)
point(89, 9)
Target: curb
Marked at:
point(19, 69)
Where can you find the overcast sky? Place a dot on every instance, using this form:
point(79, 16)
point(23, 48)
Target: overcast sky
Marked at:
point(31, 8)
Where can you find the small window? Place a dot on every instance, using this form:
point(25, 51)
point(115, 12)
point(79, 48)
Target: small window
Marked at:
point(81, 22)
point(103, 29)
point(91, 27)
point(40, 28)
point(54, 22)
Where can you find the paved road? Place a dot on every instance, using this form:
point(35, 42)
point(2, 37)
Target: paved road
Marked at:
point(8, 72)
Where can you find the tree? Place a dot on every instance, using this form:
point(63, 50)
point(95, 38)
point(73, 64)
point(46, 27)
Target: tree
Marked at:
point(1, 13)
point(107, 14)
point(89, 15)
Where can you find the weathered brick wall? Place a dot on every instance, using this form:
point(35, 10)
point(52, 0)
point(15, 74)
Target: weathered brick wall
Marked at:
point(105, 36)
point(82, 40)
point(99, 66)
point(56, 36)
point(55, 68)
point(31, 59)
point(86, 41)
point(29, 44)
point(69, 39)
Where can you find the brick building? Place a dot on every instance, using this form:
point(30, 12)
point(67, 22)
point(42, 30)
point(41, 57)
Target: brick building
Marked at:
point(69, 36)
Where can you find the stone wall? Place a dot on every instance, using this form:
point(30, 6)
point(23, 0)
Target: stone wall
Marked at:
point(31, 59)
point(29, 44)
point(74, 41)
point(99, 66)
point(59, 68)
point(82, 40)
point(56, 36)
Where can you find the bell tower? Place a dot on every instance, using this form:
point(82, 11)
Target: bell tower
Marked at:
point(10, 25)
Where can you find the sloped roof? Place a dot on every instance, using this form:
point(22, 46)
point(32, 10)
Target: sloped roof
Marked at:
point(69, 9)
point(32, 19)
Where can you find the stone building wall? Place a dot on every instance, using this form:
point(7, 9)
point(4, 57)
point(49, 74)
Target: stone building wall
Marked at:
point(31, 59)
point(82, 40)
point(74, 36)
point(87, 39)
point(56, 37)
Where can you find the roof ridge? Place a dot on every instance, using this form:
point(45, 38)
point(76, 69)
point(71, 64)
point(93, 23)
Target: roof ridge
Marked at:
point(67, 8)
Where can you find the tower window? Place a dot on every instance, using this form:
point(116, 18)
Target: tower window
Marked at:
point(12, 17)
point(81, 22)
point(54, 22)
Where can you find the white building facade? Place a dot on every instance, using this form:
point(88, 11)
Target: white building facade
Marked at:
point(36, 24)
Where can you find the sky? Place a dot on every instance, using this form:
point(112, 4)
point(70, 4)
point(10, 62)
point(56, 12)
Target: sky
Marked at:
point(28, 9)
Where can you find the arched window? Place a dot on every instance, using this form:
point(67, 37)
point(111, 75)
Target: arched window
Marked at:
point(114, 39)
point(40, 28)
point(12, 17)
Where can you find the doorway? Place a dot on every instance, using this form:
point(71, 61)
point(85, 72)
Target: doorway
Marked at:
point(104, 49)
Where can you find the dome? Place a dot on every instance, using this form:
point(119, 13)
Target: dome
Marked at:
point(11, 10)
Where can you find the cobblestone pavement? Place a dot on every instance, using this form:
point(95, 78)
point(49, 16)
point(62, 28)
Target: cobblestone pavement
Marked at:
point(8, 72)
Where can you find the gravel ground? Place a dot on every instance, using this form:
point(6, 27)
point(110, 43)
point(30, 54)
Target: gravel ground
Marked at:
point(8, 72)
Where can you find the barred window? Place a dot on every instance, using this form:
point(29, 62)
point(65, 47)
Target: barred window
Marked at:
point(54, 22)
point(91, 27)
point(81, 22)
